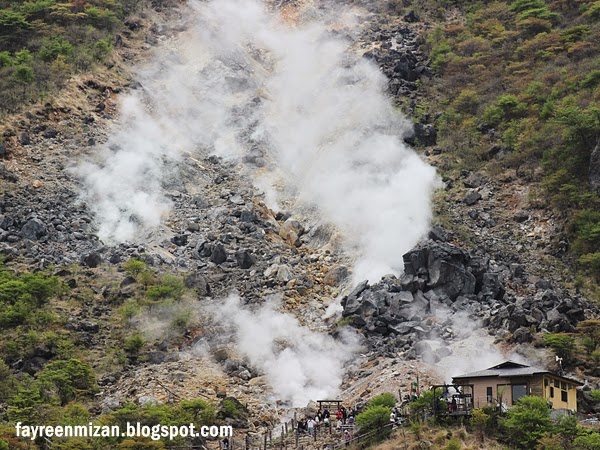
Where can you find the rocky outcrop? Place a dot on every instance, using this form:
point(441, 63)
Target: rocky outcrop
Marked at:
point(441, 284)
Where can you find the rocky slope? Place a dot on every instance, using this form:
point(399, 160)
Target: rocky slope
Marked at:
point(221, 237)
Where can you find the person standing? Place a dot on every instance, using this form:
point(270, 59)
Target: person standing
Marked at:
point(347, 438)
point(310, 425)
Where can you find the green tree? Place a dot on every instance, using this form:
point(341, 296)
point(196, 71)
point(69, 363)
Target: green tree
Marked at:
point(385, 399)
point(65, 380)
point(425, 403)
point(8, 383)
point(373, 420)
point(480, 420)
point(588, 441)
point(563, 345)
point(526, 422)
point(25, 406)
point(197, 411)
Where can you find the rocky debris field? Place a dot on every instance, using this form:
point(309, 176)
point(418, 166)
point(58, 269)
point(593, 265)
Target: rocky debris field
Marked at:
point(445, 290)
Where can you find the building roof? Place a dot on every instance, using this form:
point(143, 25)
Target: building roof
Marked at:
point(510, 369)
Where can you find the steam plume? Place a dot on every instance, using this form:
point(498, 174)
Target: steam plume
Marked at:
point(241, 83)
point(300, 364)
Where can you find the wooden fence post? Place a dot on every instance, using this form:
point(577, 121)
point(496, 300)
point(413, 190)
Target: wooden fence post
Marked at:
point(265, 446)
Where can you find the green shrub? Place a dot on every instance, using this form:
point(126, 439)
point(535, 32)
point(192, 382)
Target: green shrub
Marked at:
point(134, 344)
point(100, 17)
point(230, 408)
point(526, 422)
point(386, 399)
point(590, 263)
point(453, 444)
point(424, 404)
point(129, 310)
point(53, 47)
point(22, 298)
point(591, 80)
point(170, 287)
point(134, 267)
point(373, 420)
point(10, 21)
point(595, 395)
point(198, 410)
point(467, 102)
point(562, 344)
point(593, 10)
point(480, 421)
point(588, 441)
point(65, 380)
point(526, 5)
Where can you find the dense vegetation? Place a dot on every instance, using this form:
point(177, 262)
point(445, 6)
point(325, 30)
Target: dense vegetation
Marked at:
point(60, 390)
point(527, 425)
point(48, 375)
point(518, 86)
point(43, 42)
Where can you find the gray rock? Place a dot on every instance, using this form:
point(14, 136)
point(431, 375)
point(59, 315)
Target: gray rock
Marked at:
point(198, 282)
point(521, 216)
point(425, 134)
point(24, 138)
point(180, 239)
point(244, 259)
point(148, 400)
point(92, 260)
point(284, 273)
point(109, 404)
point(336, 276)
point(471, 198)
point(49, 133)
point(474, 180)
point(33, 230)
point(218, 254)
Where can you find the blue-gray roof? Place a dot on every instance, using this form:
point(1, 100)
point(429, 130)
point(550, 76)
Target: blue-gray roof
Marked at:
point(509, 369)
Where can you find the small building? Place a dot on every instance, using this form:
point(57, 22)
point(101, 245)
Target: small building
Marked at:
point(505, 383)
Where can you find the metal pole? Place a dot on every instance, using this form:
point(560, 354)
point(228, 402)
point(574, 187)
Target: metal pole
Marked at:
point(265, 446)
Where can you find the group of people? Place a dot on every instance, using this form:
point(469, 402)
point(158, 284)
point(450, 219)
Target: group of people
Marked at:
point(312, 423)
point(343, 419)
point(395, 417)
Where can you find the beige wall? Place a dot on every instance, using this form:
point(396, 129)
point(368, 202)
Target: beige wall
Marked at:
point(558, 388)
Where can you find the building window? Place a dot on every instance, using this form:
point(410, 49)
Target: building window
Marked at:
point(563, 396)
point(545, 381)
point(518, 391)
point(489, 394)
point(563, 386)
point(551, 392)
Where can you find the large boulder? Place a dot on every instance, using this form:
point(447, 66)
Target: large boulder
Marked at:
point(33, 229)
point(425, 134)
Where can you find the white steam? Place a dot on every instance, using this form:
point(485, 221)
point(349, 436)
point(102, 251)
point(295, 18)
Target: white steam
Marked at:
point(300, 364)
point(242, 83)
